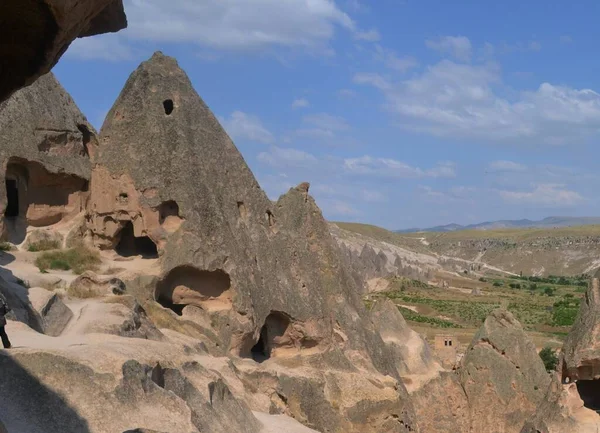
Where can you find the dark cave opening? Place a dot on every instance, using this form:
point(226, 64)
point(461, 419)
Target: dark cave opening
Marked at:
point(168, 106)
point(276, 325)
point(589, 391)
point(12, 198)
point(129, 245)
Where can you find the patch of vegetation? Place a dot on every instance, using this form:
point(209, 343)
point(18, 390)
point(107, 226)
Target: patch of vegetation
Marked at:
point(78, 259)
point(474, 312)
point(5, 246)
point(577, 280)
point(411, 316)
point(565, 311)
point(549, 358)
point(44, 245)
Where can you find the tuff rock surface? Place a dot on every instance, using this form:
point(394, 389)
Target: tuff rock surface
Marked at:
point(34, 34)
point(45, 149)
point(503, 377)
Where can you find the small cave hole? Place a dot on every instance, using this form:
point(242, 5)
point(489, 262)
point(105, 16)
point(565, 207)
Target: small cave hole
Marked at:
point(12, 196)
point(589, 391)
point(168, 106)
point(168, 209)
point(187, 285)
point(276, 325)
point(129, 245)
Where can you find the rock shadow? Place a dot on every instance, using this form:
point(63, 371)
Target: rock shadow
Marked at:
point(28, 406)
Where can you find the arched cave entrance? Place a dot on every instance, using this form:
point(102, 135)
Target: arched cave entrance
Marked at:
point(129, 245)
point(187, 285)
point(589, 391)
point(36, 197)
point(275, 327)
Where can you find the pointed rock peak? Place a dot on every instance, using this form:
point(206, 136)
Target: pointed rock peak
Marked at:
point(581, 352)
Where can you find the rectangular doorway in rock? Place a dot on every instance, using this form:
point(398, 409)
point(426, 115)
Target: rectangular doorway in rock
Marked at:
point(129, 245)
point(12, 199)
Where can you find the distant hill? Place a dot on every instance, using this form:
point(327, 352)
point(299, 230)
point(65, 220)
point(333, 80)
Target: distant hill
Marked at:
point(549, 222)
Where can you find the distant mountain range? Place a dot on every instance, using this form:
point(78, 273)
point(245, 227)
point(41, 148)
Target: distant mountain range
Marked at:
point(511, 224)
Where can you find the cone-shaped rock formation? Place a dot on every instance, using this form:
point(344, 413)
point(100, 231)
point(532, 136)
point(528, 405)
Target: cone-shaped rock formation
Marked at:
point(267, 277)
point(502, 375)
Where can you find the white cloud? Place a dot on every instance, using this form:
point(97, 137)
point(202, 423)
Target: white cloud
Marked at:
point(369, 36)
point(507, 166)
point(393, 61)
point(457, 46)
point(460, 100)
point(247, 127)
point(300, 103)
point(337, 208)
point(346, 93)
point(372, 78)
point(386, 167)
point(322, 126)
point(457, 194)
point(553, 195)
point(237, 24)
point(107, 47)
point(287, 157)
point(372, 196)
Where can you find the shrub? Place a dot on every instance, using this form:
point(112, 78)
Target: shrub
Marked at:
point(78, 259)
point(549, 291)
point(497, 284)
point(483, 280)
point(5, 246)
point(44, 245)
point(549, 358)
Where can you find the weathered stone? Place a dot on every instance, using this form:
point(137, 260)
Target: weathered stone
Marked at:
point(45, 151)
point(34, 34)
point(441, 405)
point(39, 240)
point(502, 375)
point(54, 314)
point(89, 285)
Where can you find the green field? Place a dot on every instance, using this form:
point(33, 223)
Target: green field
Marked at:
point(545, 308)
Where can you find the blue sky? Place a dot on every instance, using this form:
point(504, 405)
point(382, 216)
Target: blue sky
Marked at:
point(400, 113)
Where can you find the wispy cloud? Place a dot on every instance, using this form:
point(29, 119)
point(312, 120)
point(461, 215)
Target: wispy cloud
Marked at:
point(300, 103)
point(245, 126)
point(457, 46)
point(386, 167)
point(552, 195)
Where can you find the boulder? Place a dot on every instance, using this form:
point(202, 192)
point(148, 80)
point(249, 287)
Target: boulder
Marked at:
point(54, 314)
point(409, 348)
point(502, 375)
point(441, 405)
point(35, 34)
point(42, 240)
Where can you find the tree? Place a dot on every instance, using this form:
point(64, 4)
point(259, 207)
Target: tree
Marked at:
point(549, 358)
point(549, 291)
